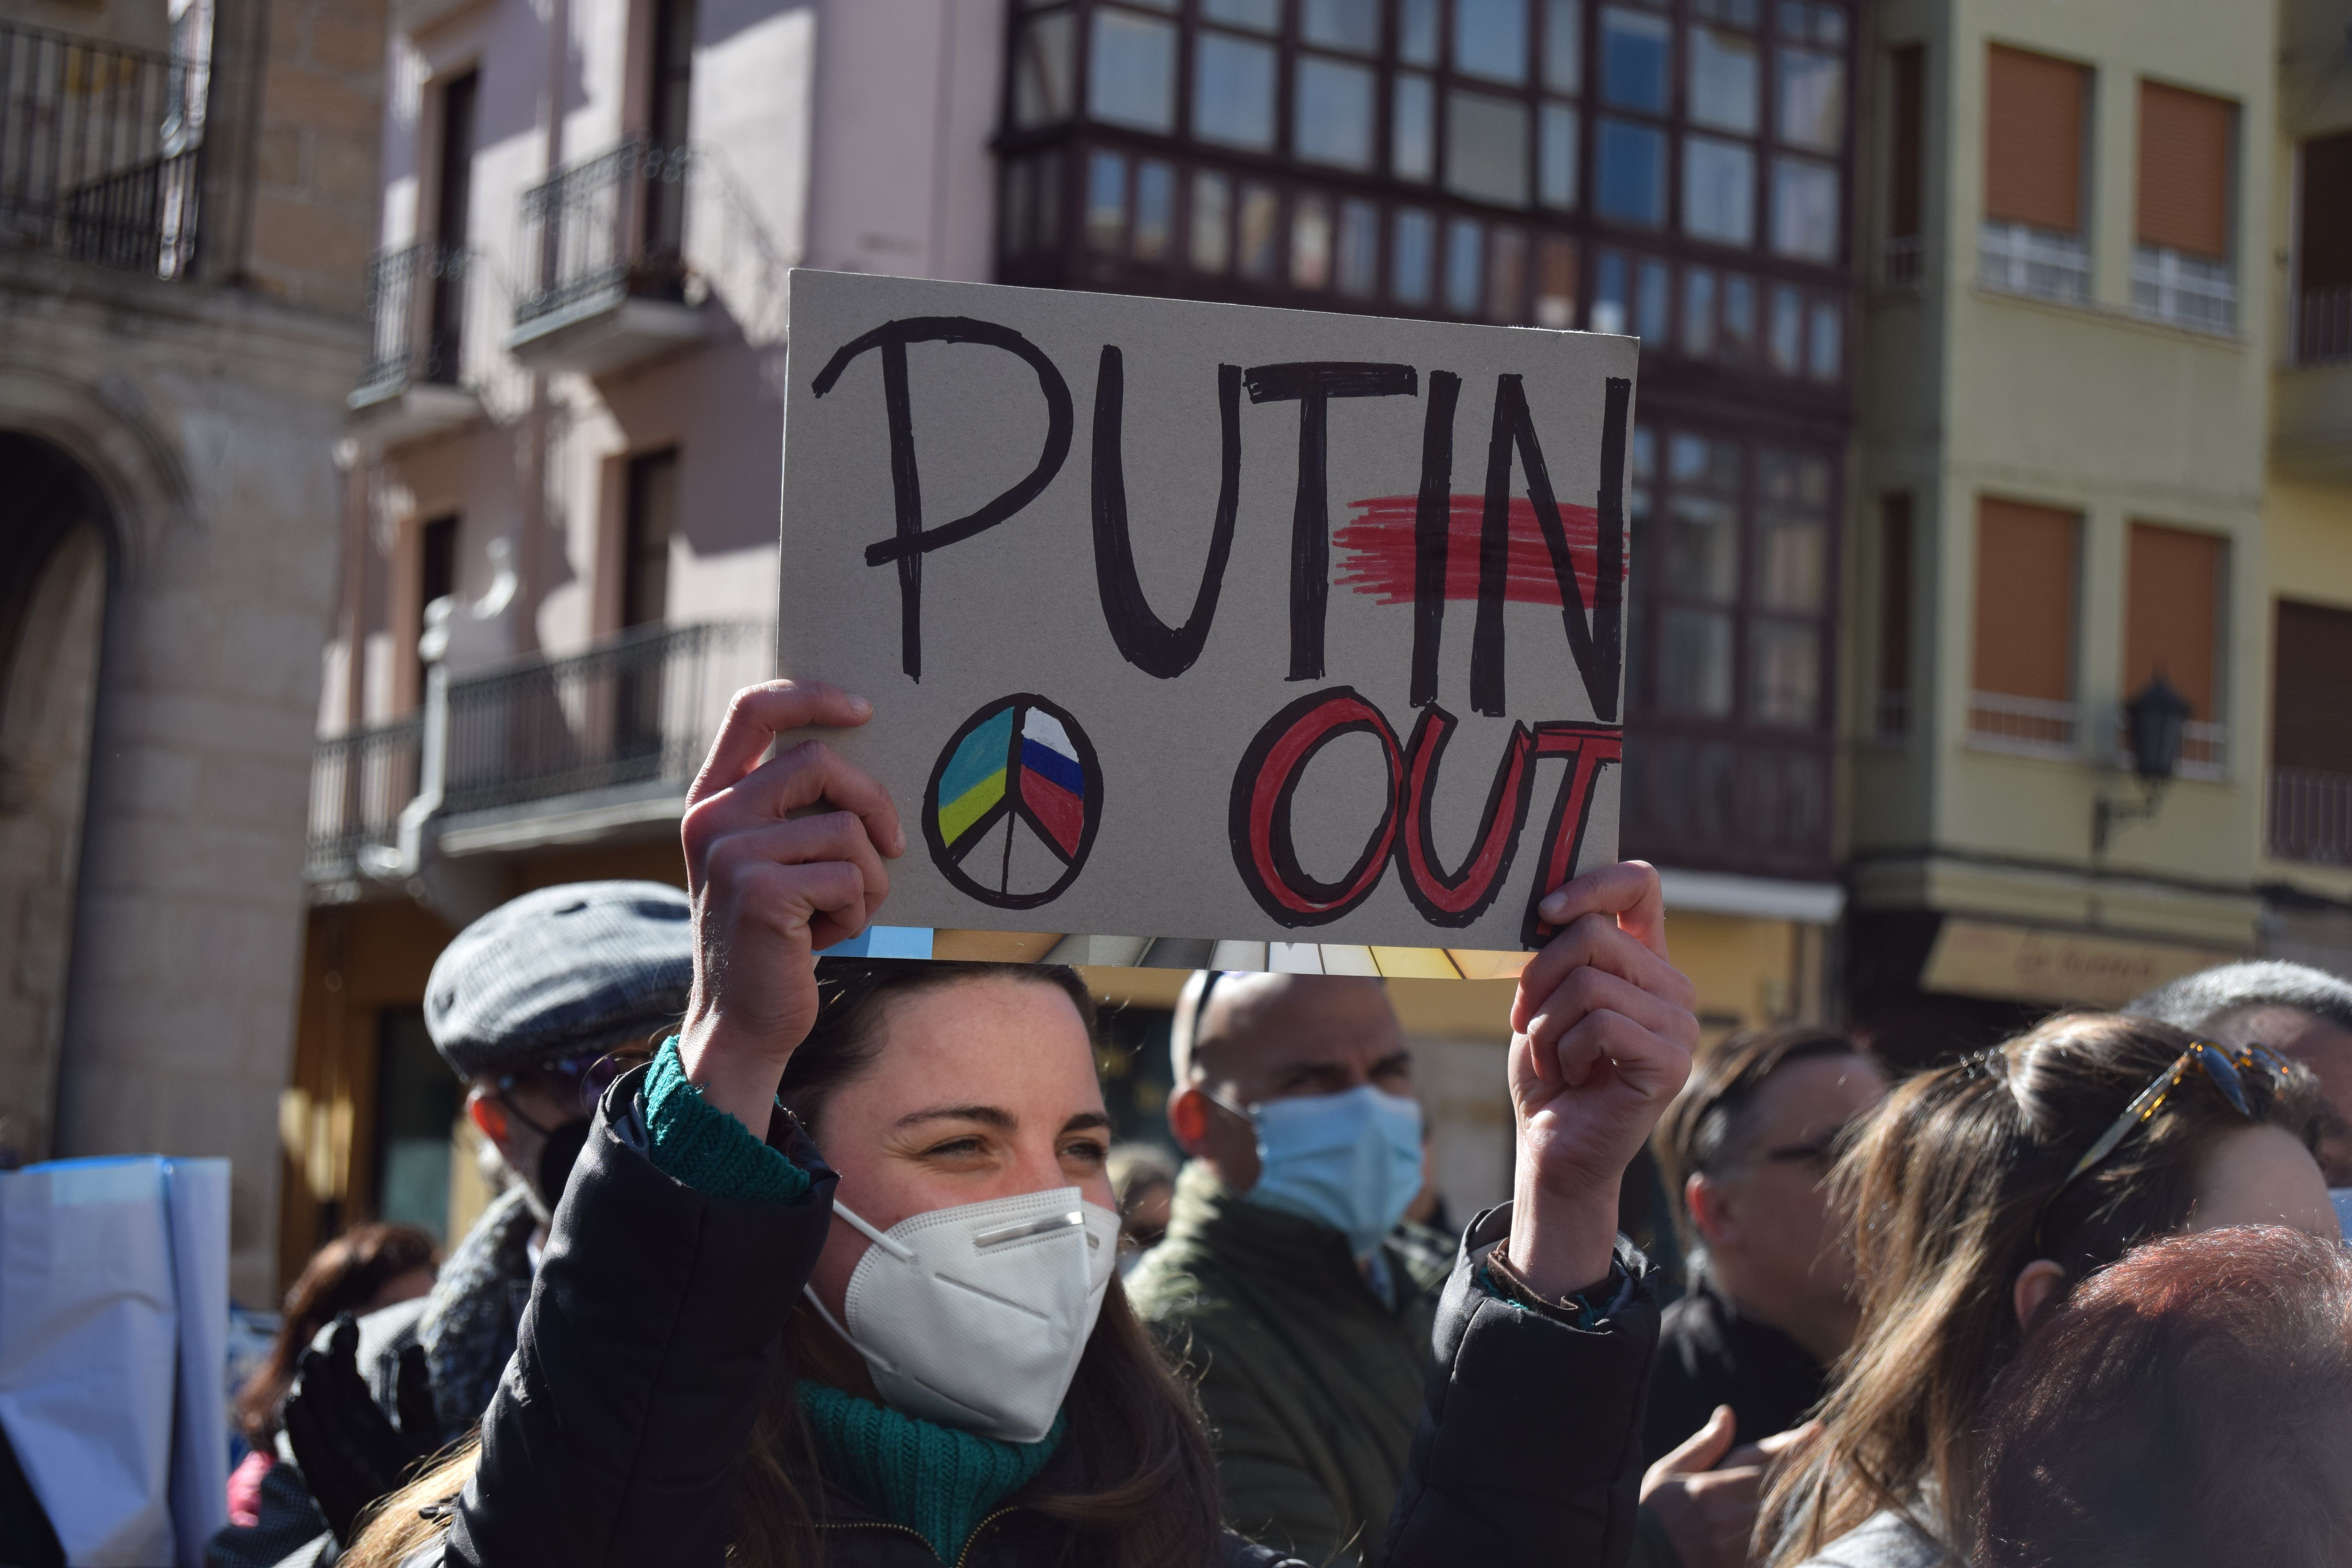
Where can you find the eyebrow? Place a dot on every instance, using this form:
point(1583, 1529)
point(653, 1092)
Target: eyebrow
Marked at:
point(1085, 1120)
point(989, 1114)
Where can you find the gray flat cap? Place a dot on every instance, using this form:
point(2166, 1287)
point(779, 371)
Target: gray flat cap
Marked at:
point(559, 973)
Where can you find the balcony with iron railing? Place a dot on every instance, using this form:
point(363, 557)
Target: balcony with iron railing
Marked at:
point(2016, 258)
point(2310, 816)
point(411, 385)
point(606, 282)
point(101, 151)
point(534, 752)
point(2311, 413)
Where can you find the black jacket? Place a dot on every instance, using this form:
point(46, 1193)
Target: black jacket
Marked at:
point(615, 1435)
point(1711, 1353)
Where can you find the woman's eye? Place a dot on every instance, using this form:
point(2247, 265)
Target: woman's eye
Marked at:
point(1093, 1153)
point(957, 1146)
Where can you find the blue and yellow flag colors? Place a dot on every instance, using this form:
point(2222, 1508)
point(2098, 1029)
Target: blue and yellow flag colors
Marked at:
point(973, 780)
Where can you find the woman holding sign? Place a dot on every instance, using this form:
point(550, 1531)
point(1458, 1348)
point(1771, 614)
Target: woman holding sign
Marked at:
point(913, 1347)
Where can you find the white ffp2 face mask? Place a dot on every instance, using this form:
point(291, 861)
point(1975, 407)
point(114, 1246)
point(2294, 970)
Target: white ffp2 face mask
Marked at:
point(975, 1316)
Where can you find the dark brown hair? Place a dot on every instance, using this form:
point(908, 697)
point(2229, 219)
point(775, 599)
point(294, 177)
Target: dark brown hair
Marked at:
point(344, 1276)
point(1948, 1184)
point(1147, 1491)
point(1708, 1122)
point(2193, 1404)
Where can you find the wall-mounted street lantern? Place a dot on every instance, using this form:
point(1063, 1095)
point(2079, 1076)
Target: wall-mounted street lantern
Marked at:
point(2155, 719)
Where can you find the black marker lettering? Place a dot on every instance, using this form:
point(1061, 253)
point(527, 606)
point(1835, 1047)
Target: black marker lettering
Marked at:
point(1149, 642)
point(1433, 524)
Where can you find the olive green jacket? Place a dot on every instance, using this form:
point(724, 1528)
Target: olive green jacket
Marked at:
point(1310, 1380)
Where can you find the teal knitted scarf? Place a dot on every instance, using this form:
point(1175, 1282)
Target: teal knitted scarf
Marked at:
point(937, 1481)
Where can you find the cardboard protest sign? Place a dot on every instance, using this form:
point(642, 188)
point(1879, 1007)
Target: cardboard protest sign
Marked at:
point(1197, 621)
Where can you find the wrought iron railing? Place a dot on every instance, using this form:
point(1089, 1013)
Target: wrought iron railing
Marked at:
point(2018, 259)
point(416, 314)
point(2321, 329)
point(612, 224)
point(2184, 290)
point(637, 709)
point(359, 785)
point(2311, 816)
point(100, 151)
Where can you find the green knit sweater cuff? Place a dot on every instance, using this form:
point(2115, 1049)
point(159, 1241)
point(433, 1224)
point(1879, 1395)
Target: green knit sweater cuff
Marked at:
point(696, 1143)
point(939, 1481)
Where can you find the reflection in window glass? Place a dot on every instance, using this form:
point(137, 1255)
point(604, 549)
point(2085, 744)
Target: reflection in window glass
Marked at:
point(1635, 48)
point(1258, 234)
point(1722, 80)
point(1609, 294)
point(1556, 156)
point(1360, 247)
point(1107, 201)
point(1506, 275)
point(1490, 40)
point(1812, 99)
point(1155, 208)
point(1787, 342)
point(1042, 72)
point(1264, 15)
point(1486, 147)
point(1350, 24)
point(1785, 662)
point(1417, 32)
point(1698, 312)
point(1411, 266)
point(1212, 222)
point(1702, 554)
point(1412, 131)
point(1556, 284)
point(1695, 663)
point(1465, 260)
point(1739, 13)
point(1564, 45)
point(1232, 91)
point(1738, 318)
point(1310, 242)
point(1332, 117)
point(1633, 173)
point(1656, 322)
point(1699, 464)
point(1791, 563)
point(1132, 71)
point(1804, 209)
point(1719, 189)
point(1825, 343)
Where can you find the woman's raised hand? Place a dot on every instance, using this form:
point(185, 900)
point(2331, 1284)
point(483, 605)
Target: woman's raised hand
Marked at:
point(770, 888)
point(1602, 1039)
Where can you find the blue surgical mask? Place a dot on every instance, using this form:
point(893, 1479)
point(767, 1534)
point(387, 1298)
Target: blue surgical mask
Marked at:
point(1351, 1160)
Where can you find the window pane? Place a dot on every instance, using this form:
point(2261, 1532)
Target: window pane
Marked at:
point(1350, 24)
point(1412, 151)
point(1556, 284)
point(1360, 245)
point(1556, 156)
point(1812, 99)
point(1016, 220)
point(1310, 242)
point(1698, 312)
point(1825, 343)
point(1657, 317)
point(1258, 234)
point(1719, 189)
point(1486, 147)
point(1333, 113)
point(1264, 15)
point(1049, 198)
point(1490, 39)
point(1212, 222)
point(1791, 563)
point(1507, 276)
point(1107, 201)
point(1703, 547)
point(1042, 73)
point(1722, 80)
point(1700, 465)
point(1155, 208)
point(1232, 91)
point(1564, 45)
point(1133, 67)
point(1633, 173)
point(1804, 210)
point(1464, 260)
point(1737, 12)
point(1409, 267)
point(1785, 666)
point(1417, 32)
point(1608, 313)
point(1738, 318)
point(1787, 342)
point(1695, 663)
point(1792, 481)
point(1635, 48)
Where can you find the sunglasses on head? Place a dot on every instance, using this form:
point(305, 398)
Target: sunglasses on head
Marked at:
point(2247, 1079)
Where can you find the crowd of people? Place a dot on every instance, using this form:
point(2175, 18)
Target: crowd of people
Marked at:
point(833, 1261)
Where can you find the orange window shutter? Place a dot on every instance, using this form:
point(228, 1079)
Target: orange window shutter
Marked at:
point(2172, 620)
point(2033, 140)
point(2185, 140)
point(2027, 559)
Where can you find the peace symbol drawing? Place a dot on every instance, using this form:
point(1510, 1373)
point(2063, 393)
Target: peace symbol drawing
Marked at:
point(1014, 802)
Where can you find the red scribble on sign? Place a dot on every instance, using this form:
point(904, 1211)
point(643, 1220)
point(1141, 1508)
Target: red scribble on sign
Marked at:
point(1378, 542)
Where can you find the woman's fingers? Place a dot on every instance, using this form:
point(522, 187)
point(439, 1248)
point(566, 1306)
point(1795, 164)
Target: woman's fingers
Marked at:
point(1594, 941)
point(811, 773)
point(1628, 892)
point(759, 714)
point(834, 838)
point(1589, 990)
point(1652, 1064)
